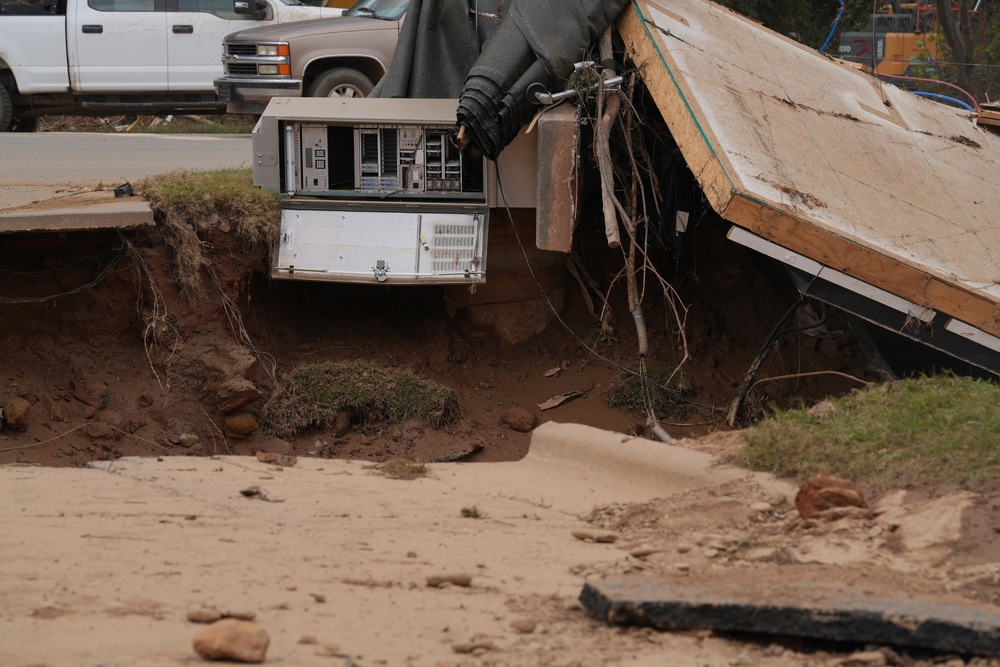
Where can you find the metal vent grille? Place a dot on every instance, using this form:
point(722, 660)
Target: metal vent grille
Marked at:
point(454, 248)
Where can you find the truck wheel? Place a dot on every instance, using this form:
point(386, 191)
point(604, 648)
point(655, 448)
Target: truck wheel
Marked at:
point(341, 82)
point(6, 109)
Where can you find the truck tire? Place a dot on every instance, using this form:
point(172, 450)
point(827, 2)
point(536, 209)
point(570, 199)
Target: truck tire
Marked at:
point(341, 82)
point(6, 109)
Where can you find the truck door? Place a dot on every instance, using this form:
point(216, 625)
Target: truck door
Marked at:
point(117, 45)
point(196, 28)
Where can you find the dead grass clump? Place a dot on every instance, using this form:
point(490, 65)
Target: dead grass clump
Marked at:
point(188, 206)
point(401, 469)
point(314, 394)
point(666, 388)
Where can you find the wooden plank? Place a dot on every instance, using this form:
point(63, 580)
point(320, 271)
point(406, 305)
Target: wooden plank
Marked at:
point(798, 606)
point(815, 155)
point(669, 96)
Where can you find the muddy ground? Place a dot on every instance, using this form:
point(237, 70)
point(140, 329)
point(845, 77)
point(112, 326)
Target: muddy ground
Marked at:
point(111, 357)
point(108, 358)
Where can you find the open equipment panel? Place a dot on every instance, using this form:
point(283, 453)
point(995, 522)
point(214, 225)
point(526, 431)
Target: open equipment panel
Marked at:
point(373, 190)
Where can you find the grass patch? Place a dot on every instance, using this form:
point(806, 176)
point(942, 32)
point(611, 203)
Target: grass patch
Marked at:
point(933, 430)
point(667, 386)
point(314, 394)
point(188, 206)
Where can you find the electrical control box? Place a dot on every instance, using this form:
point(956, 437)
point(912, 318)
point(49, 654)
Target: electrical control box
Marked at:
point(373, 190)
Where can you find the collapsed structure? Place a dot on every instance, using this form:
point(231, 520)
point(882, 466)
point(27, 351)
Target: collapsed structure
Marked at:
point(877, 202)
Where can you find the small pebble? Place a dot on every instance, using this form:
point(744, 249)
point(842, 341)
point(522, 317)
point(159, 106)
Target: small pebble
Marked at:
point(438, 580)
point(603, 536)
point(524, 625)
point(204, 615)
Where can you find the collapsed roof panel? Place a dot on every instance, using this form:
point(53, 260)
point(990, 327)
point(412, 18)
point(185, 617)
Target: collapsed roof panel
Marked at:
point(822, 159)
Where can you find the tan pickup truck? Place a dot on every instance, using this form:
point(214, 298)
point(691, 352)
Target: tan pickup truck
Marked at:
point(344, 56)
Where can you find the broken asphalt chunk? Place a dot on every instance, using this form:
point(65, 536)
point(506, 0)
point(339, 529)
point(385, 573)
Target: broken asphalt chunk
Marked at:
point(802, 607)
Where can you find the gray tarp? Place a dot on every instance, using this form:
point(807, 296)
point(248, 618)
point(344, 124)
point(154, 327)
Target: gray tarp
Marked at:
point(533, 49)
point(439, 42)
point(534, 46)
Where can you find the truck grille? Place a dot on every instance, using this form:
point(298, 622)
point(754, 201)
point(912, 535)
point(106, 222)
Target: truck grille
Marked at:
point(241, 69)
point(237, 49)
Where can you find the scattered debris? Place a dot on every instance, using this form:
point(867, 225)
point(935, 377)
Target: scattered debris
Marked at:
point(556, 401)
point(461, 454)
point(257, 492)
point(124, 190)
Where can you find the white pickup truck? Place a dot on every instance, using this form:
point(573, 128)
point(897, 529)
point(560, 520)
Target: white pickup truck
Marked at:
point(93, 57)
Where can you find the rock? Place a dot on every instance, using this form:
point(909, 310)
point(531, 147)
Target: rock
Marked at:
point(90, 391)
point(604, 536)
point(643, 552)
point(204, 615)
point(232, 639)
point(99, 431)
point(241, 614)
point(439, 580)
point(237, 393)
point(343, 424)
point(524, 625)
point(242, 423)
point(761, 507)
point(518, 419)
point(188, 440)
point(469, 647)
point(862, 659)
point(16, 413)
point(283, 460)
point(823, 492)
point(111, 418)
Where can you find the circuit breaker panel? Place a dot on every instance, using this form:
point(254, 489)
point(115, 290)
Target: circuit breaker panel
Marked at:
point(373, 191)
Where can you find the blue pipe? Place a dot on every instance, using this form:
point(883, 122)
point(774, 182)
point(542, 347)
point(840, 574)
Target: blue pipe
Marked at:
point(836, 22)
point(936, 96)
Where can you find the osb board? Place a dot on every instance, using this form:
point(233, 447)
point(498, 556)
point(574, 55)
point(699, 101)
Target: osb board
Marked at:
point(897, 190)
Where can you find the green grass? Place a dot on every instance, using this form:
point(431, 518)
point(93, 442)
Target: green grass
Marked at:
point(190, 206)
point(933, 430)
point(315, 394)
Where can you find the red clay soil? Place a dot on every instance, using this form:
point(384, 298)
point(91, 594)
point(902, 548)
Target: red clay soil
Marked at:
point(113, 360)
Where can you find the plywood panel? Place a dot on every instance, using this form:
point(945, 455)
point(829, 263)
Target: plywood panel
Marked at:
point(897, 190)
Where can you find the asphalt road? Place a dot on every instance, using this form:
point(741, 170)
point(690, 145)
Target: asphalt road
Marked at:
point(41, 166)
point(45, 157)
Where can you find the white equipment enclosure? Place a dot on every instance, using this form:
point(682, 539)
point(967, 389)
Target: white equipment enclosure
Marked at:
point(373, 190)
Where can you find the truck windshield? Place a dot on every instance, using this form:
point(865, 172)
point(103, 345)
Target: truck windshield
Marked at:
point(389, 10)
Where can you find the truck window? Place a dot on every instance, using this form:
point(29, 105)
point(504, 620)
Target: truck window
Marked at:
point(220, 8)
point(122, 5)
